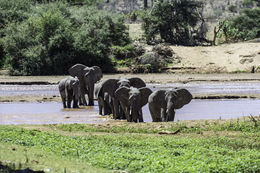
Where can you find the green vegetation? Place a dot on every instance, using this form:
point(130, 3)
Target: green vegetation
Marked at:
point(174, 21)
point(47, 38)
point(209, 146)
point(243, 27)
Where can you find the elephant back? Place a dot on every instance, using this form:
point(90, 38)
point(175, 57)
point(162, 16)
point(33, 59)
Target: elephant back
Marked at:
point(137, 82)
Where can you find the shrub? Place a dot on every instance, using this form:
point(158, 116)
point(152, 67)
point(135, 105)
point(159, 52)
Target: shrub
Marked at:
point(56, 36)
point(243, 27)
point(174, 21)
point(40, 45)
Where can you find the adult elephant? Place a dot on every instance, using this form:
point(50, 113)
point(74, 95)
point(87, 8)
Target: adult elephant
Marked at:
point(132, 100)
point(162, 103)
point(69, 90)
point(111, 85)
point(87, 76)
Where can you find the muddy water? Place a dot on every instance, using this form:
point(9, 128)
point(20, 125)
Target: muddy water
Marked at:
point(249, 87)
point(53, 113)
point(46, 113)
point(216, 87)
point(15, 90)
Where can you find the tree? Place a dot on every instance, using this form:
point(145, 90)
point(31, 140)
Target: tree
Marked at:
point(174, 21)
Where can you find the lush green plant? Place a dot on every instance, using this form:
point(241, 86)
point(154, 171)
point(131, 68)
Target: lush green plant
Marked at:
point(41, 45)
point(57, 36)
point(243, 27)
point(124, 52)
point(144, 153)
point(172, 20)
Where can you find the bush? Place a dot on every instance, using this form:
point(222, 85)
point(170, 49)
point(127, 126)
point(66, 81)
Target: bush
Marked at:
point(243, 27)
point(57, 36)
point(174, 21)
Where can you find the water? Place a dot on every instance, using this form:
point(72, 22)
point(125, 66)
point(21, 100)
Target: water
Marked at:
point(53, 113)
point(215, 87)
point(16, 90)
point(193, 87)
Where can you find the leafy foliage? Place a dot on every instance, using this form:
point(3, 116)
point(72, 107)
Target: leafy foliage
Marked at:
point(173, 20)
point(55, 36)
point(145, 153)
point(243, 27)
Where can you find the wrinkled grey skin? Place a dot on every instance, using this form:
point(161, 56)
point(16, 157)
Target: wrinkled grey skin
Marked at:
point(162, 103)
point(69, 90)
point(132, 100)
point(87, 76)
point(104, 101)
point(111, 85)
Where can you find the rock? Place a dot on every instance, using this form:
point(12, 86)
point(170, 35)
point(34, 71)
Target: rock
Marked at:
point(163, 50)
point(139, 48)
point(149, 62)
point(246, 60)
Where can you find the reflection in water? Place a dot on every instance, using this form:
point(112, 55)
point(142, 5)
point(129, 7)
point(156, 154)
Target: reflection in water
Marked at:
point(52, 112)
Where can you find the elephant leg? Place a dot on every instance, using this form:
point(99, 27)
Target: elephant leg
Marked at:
point(80, 100)
point(69, 101)
point(172, 116)
point(91, 95)
point(63, 98)
point(107, 110)
point(116, 109)
point(75, 103)
point(84, 102)
point(155, 112)
point(100, 105)
point(141, 116)
point(164, 115)
point(121, 112)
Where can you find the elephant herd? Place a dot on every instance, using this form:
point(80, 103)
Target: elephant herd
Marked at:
point(124, 97)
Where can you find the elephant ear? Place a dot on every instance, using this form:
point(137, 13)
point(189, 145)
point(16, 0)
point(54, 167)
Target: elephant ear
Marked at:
point(137, 82)
point(77, 70)
point(183, 97)
point(122, 94)
point(145, 93)
point(97, 73)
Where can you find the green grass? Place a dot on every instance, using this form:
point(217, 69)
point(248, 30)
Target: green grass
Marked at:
point(138, 149)
point(241, 125)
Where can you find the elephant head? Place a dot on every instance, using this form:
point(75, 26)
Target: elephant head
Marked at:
point(132, 100)
point(162, 103)
point(87, 76)
point(111, 85)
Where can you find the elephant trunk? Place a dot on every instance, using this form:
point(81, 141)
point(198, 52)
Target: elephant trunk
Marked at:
point(134, 114)
point(91, 95)
point(170, 113)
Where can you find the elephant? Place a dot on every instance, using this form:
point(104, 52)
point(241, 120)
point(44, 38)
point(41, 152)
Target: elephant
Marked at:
point(132, 100)
point(104, 101)
point(87, 76)
point(162, 103)
point(69, 90)
point(111, 85)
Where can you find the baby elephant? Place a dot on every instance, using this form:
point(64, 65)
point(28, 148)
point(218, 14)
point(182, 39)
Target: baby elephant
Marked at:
point(69, 90)
point(162, 103)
